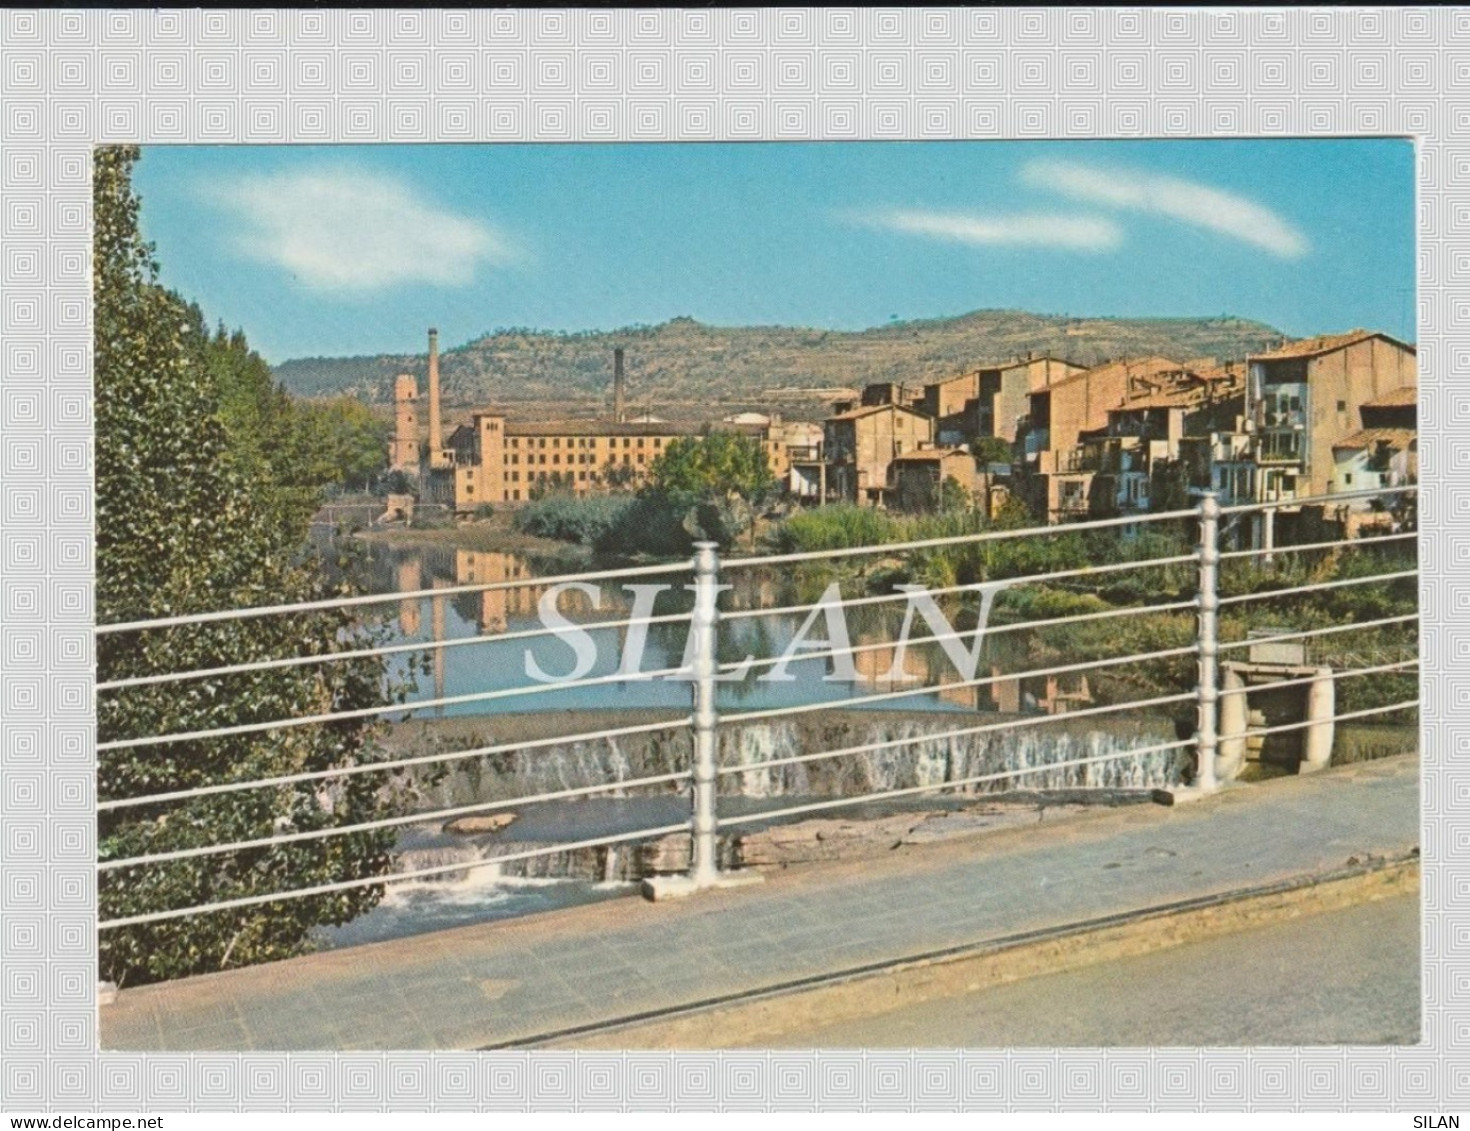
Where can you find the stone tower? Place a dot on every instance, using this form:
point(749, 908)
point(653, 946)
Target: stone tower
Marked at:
point(403, 450)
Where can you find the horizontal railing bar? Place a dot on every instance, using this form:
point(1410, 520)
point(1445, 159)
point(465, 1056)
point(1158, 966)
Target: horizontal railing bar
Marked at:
point(1261, 732)
point(1313, 500)
point(1364, 543)
point(386, 598)
point(386, 650)
point(939, 787)
point(388, 709)
point(1355, 627)
point(1266, 595)
point(929, 689)
point(944, 736)
point(970, 587)
point(989, 630)
point(394, 764)
point(385, 823)
point(391, 878)
point(956, 540)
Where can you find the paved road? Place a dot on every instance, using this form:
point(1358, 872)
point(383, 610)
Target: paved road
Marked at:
point(1340, 977)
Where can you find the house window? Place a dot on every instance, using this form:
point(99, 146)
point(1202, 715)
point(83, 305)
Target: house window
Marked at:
point(1348, 479)
point(1342, 406)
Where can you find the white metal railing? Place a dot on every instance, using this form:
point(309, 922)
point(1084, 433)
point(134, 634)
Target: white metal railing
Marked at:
point(704, 722)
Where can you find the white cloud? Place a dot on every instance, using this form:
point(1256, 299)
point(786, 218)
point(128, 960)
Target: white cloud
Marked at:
point(1082, 233)
point(1188, 201)
point(357, 231)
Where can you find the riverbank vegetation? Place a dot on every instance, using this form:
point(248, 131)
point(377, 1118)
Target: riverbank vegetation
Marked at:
point(1097, 586)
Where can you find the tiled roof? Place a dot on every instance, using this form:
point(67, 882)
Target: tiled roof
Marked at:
point(1023, 362)
point(1133, 366)
point(1399, 439)
point(1187, 388)
point(1326, 343)
point(596, 428)
point(1407, 397)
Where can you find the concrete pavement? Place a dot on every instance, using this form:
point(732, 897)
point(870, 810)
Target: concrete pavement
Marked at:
point(1343, 977)
point(551, 977)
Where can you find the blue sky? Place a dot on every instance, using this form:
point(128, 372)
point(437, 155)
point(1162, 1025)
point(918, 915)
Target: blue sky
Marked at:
point(339, 250)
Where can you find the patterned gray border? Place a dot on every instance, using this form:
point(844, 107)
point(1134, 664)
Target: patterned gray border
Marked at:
point(72, 78)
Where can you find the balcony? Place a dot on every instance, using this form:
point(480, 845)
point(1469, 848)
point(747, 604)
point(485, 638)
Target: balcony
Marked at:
point(1078, 461)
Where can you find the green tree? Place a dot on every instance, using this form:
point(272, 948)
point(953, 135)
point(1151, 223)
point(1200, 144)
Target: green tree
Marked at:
point(1169, 487)
point(714, 465)
point(348, 440)
point(954, 495)
point(618, 476)
point(990, 449)
point(709, 484)
point(298, 446)
point(188, 521)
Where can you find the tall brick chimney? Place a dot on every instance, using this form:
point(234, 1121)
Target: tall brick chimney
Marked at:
point(436, 427)
point(620, 410)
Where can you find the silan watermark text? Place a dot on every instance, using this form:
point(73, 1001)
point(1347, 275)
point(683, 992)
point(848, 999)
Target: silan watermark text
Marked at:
point(824, 632)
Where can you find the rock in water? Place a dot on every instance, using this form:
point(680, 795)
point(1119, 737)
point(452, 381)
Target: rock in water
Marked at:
point(488, 823)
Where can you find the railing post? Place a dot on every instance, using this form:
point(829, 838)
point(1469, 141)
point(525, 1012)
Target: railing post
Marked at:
point(703, 863)
point(1207, 739)
point(704, 869)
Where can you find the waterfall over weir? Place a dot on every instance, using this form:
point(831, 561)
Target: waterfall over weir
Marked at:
point(1018, 754)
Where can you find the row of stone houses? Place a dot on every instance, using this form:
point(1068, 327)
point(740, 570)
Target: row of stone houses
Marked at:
point(896, 445)
point(1324, 415)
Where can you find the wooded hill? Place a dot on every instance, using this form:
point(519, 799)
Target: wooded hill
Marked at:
point(685, 361)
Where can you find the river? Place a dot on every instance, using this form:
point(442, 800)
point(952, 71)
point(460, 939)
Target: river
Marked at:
point(451, 666)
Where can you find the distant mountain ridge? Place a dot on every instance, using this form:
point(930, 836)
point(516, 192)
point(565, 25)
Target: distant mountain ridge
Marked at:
point(683, 360)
